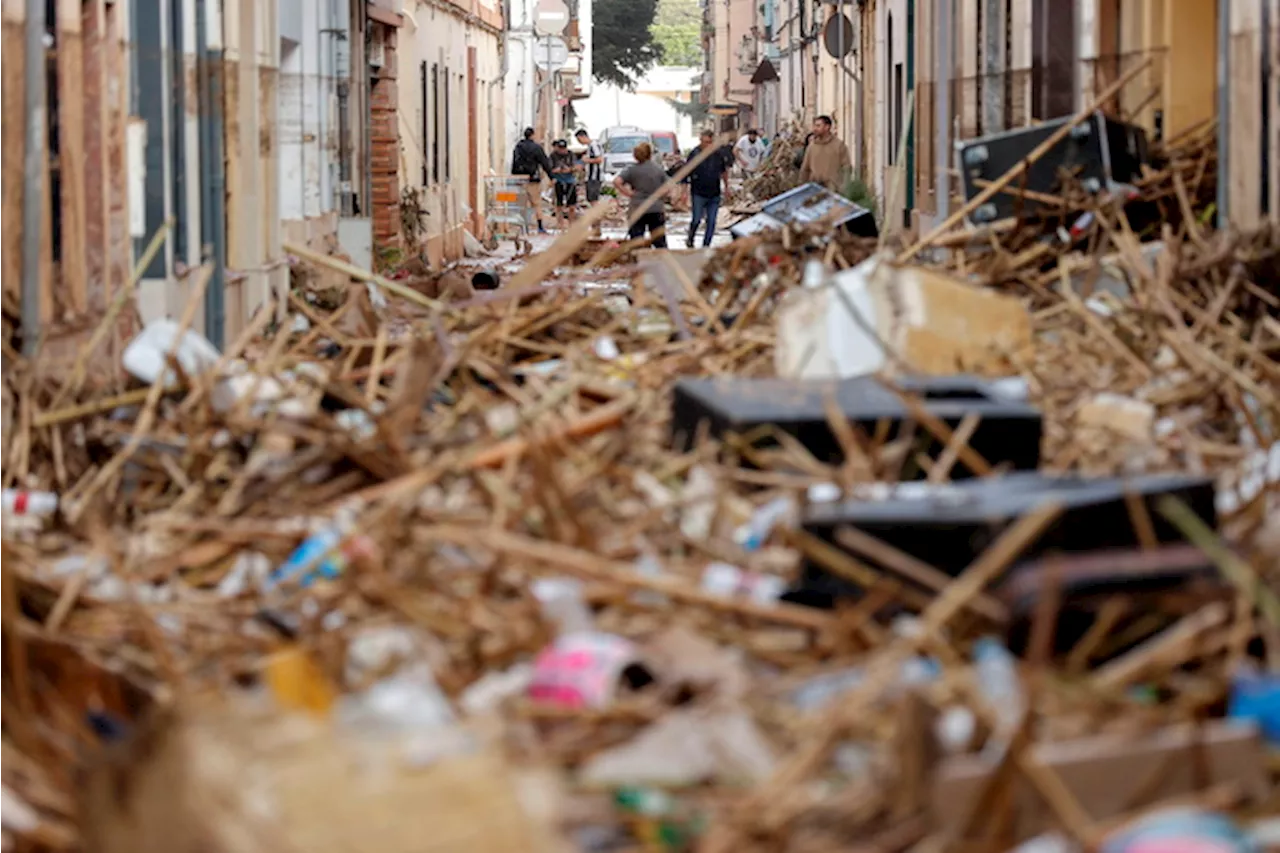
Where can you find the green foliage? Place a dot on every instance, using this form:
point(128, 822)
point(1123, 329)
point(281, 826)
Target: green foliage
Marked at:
point(857, 191)
point(623, 48)
point(677, 31)
point(697, 111)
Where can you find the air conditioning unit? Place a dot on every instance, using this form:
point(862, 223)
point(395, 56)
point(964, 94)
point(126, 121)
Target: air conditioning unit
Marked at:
point(377, 47)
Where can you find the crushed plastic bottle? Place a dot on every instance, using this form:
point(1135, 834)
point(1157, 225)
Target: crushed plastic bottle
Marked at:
point(819, 691)
point(563, 605)
point(730, 581)
point(997, 672)
point(752, 535)
point(660, 823)
point(321, 554)
point(1255, 695)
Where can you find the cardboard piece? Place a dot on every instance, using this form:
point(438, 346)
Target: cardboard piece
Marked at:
point(879, 316)
point(248, 779)
point(1110, 775)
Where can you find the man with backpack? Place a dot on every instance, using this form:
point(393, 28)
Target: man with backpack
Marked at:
point(530, 159)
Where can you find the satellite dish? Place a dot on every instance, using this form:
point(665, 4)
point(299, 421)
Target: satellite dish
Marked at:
point(837, 46)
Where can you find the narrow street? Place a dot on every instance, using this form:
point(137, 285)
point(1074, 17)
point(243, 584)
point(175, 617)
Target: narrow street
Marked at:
point(933, 507)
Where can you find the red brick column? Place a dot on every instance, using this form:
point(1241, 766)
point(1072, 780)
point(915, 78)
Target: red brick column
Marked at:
point(384, 148)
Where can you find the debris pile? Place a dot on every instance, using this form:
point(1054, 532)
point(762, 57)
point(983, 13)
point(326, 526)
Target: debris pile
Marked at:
point(781, 168)
point(557, 567)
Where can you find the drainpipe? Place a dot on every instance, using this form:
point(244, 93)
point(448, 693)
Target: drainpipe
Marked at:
point(942, 117)
point(213, 194)
point(1224, 108)
point(32, 189)
point(342, 63)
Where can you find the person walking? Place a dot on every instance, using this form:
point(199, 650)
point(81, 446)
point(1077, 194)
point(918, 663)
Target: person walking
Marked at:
point(530, 160)
point(826, 161)
point(705, 183)
point(750, 151)
point(638, 183)
point(563, 167)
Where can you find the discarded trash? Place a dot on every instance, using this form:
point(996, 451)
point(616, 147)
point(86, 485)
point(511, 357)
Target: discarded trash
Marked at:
point(731, 581)
point(485, 280)
point(1255, 695)
point(1180, 829)
point(146, 355)
point(35, 504)
point(586, 670)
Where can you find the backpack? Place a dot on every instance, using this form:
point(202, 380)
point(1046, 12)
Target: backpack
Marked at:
point(522, 162)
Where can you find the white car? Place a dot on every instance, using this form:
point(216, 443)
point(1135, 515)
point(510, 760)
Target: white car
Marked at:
point(618, 143)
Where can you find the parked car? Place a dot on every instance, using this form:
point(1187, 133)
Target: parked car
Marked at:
point(618, 143)
point(666, 143)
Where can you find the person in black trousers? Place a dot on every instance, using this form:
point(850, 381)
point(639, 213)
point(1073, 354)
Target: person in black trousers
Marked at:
point(705, 183)
point(638, 183)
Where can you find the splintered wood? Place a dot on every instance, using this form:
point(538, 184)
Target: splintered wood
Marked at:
point(472, 456)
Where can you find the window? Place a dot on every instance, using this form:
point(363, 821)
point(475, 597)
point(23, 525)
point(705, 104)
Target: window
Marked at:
point(623, 144)
point(891, 119)
point(1053, 31)
point(435, 123)
point(897, 111)
point(426, 130)
point(448, 123)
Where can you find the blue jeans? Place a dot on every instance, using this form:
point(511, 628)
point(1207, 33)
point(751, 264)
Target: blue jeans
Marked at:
point(708, 206)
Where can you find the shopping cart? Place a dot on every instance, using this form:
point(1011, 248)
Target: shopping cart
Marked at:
point(507, 208)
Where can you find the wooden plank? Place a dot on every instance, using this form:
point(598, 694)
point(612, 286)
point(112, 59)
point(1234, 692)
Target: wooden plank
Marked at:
point(71, 159)
point(93, 29)
point(1190, 67)
point(13, 147)
point(1244, 157)
point(1272, 130)
point(116, 79)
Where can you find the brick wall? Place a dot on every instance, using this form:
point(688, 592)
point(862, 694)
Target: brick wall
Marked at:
point(384, 151)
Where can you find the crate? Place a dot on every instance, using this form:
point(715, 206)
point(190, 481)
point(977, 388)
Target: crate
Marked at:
point(1100, 152)
point(949, 526)
point(1008, 434)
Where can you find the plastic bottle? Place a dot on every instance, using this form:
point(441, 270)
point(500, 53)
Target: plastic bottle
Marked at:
point(997, 672)
point(814, 275)
point(756, 531)
point(563, 605)
point(730, 581)
point(22, 502)
point(308, 559)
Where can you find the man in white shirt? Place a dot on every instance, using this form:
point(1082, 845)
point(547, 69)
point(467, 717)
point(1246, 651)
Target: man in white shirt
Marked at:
point(750, 151)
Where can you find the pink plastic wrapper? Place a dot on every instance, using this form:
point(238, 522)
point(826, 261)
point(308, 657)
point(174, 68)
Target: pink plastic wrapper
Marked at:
point(581, 670)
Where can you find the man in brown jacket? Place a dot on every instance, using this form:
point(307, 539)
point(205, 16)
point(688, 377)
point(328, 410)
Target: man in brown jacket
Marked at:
point(826, 160)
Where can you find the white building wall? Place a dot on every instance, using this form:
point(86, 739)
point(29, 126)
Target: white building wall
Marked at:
point(441, 37)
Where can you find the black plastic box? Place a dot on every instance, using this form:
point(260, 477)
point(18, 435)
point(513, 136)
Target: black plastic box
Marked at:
point(1100, 151)
point(951, 528)
point(1009, 432)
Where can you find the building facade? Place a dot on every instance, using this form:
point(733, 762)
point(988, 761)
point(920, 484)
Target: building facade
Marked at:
point(906, 79)
point(450, 120)
point(545, 98)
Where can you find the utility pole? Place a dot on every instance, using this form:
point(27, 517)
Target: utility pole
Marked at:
point(32, 181)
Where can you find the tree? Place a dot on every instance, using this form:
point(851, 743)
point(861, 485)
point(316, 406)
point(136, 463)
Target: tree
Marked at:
point(677, 30)
point(622, 46)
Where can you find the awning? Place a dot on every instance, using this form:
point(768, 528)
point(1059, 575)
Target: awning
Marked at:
point(765, 73)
